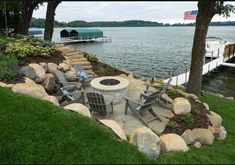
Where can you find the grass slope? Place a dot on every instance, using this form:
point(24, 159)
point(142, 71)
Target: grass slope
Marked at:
point(35, 131)
point(221, 152)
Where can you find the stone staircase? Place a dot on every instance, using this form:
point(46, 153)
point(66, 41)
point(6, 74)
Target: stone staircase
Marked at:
point(75, 57)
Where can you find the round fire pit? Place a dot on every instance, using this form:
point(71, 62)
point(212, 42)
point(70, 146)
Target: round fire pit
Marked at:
point(111, 87)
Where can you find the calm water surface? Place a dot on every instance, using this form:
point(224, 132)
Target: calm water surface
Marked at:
point(153, 51)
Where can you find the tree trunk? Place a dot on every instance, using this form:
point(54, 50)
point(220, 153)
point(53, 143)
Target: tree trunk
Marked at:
point(50, 17)
point(206, 10)
point(28, 7)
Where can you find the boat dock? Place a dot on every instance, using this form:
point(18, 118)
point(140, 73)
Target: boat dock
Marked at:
point(72, 40)
point(220, 60)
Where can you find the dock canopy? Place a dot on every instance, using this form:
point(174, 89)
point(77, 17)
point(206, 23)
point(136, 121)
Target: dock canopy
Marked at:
point(81, 33)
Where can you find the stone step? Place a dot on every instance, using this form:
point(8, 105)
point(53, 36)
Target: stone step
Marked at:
point(89, 67)
point(82, 63)
point(75, 56)
point(78, 60)
point(66, 50)
point(74, 53)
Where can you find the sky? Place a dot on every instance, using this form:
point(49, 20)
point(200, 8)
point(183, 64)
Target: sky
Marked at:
point(164, 12)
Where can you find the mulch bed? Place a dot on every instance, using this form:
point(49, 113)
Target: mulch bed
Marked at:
point(200, 120)
point(56, 58)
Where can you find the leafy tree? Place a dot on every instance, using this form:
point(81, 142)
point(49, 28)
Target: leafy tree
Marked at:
point(50, 18)
point(14, 15)
point(206, 11)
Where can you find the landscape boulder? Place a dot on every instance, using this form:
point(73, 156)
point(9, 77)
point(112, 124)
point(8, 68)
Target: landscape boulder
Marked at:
point(44, 65)
point(146, 141)
point(223, 133)
point(197, 144)
point(215, 119)
point(2, 84)
point(63, 67)
point(181, 105)
point(116, 128)
point(9, 85)
point(34, 90)
point(204, 136)
point(52, 67)
point(206, 105)
point(188, 136)
point(187, 95)
point(173, 142)
point(51, 99)
point(28, 72)
point(79, 108)
point(48, 82)
point(40, 72)
point(71, 76)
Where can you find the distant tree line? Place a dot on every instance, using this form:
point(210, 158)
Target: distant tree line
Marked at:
point(40, 23)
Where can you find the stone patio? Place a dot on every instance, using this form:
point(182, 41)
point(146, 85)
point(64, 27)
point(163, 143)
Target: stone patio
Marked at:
point(129, 122)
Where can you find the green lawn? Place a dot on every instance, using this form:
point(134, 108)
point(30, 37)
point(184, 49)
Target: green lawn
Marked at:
point(35, 131)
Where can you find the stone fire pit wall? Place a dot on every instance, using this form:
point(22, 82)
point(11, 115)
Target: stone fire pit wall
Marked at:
point(115, 89)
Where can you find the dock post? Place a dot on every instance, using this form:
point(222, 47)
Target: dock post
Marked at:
point(212, 55)
point(186, 68)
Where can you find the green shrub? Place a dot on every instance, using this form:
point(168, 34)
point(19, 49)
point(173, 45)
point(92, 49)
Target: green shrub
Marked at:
point(171, 93)
point(188, 119)
point(195, 111)
point(22, 49)
point(172, 125)
point(92, 58)
point(8, 67)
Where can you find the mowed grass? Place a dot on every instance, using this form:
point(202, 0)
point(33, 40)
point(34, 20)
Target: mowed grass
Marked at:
point(35, 131)
point(221, 152)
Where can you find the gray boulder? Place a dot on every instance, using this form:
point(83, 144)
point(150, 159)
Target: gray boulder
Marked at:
point(48, 82)
point(28, 72)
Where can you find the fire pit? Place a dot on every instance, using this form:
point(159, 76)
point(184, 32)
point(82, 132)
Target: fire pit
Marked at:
point(111, 87)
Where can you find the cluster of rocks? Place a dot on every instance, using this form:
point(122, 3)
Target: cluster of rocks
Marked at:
point(40, 80)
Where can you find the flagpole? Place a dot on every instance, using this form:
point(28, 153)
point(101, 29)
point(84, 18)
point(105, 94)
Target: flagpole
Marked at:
point(5, 8)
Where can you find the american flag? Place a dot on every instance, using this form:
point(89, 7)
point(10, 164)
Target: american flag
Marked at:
point(190, 15)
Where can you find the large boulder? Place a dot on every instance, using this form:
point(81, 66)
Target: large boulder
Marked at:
point(71, 76)
point(52, 67)
point(187, 95)
point(28, 72)
point(34, 90)
point(146, 141)
point(223, 133)
point(215, 119)
point(173, 142)
point(44, 65)
point(51, 99)
point(80, 108)
point(188, 136)
point(64, 67)
point(206, 106)
point(219, 133)
point(2, 84)
point(48, 82)
point(181, 105)
point(117, 129)
point(40, 72)
point(204, 136)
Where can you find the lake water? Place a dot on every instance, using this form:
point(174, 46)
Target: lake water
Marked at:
point(153, 51)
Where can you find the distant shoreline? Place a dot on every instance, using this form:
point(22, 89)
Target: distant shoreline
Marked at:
point(40, 23)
